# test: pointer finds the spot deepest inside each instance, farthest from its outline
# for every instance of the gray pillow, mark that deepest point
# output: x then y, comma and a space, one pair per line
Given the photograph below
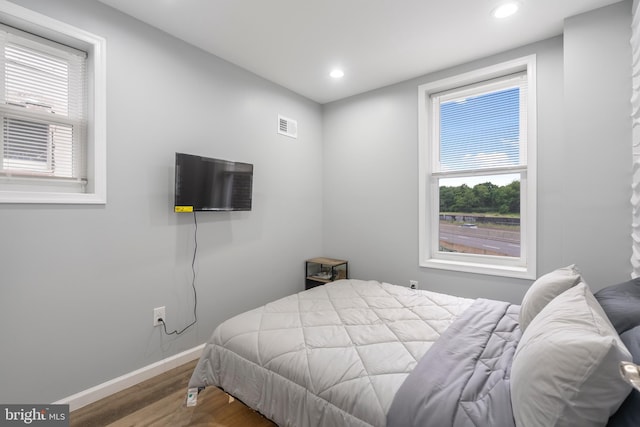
621, 302
565, 369
545, 289
629, 413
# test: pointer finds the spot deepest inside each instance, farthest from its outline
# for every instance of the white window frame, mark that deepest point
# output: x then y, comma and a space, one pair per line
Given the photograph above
429, 206
26, 190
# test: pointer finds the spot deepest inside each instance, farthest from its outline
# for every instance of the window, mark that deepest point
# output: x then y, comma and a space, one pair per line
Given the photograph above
52, 121
477, 171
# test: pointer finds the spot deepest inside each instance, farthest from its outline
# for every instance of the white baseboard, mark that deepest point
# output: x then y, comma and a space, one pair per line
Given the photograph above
115, 385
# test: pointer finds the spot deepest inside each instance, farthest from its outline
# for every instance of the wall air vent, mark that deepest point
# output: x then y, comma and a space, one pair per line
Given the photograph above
287, 127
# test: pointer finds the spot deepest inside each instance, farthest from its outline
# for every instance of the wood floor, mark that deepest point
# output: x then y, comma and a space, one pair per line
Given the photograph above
160, 402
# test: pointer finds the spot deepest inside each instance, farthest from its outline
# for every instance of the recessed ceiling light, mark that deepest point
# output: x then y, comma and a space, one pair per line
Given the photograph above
505, 10
337, 74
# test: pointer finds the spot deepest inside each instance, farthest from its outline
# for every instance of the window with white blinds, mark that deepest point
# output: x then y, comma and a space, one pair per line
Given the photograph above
52, 110
482, 127
43, 113
477, 171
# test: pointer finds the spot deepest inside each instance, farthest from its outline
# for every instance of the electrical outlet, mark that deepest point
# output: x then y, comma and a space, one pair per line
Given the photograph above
159, 313
413, 284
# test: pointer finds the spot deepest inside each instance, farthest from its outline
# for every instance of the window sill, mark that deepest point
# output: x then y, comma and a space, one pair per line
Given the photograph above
480, 268
52, 198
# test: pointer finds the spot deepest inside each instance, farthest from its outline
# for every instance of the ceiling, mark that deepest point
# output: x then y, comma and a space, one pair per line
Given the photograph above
296, 43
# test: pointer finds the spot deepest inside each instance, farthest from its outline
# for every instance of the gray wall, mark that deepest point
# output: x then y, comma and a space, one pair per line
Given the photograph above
597, 142
584, 160
79, 283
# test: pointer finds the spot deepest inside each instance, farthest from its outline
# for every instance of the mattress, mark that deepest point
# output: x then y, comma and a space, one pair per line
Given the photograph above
332, 355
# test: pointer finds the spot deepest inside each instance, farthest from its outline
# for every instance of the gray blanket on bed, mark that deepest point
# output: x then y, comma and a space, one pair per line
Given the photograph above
463, 380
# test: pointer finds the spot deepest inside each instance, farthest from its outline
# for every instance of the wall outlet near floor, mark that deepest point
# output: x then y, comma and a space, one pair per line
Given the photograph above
159, 313
413, 284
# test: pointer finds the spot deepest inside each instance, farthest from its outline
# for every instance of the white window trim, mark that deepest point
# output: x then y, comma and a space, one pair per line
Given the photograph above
524, 267
44, 26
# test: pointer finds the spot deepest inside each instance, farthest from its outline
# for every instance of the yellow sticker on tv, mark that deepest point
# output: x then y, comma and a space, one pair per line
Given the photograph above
184, 208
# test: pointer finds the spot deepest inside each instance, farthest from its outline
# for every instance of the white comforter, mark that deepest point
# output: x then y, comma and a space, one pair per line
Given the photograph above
334, 355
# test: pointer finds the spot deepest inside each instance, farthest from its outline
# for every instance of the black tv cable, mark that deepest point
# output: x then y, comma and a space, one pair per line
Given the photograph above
193, 283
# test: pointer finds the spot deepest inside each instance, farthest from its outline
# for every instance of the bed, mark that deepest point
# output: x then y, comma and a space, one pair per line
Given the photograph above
365, 353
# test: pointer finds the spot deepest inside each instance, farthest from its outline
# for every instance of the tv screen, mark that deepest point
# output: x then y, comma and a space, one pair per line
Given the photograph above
207, 184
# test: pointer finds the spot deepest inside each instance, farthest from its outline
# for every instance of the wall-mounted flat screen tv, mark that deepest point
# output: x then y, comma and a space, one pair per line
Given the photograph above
207, 184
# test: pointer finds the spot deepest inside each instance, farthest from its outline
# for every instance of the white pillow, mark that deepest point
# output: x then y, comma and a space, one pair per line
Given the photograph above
565, 368
544, 290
